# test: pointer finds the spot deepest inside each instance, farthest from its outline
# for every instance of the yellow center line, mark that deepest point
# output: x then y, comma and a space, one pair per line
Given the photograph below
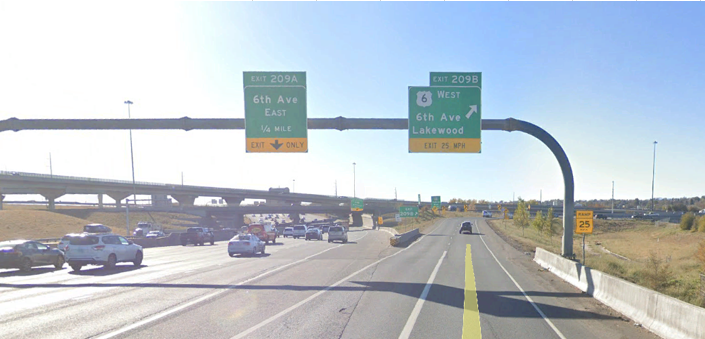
471, 313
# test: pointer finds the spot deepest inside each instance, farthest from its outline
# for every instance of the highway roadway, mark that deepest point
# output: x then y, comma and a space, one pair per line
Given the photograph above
433, 288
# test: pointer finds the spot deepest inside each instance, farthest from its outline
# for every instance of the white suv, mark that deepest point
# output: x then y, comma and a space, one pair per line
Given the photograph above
101, 249
299, 231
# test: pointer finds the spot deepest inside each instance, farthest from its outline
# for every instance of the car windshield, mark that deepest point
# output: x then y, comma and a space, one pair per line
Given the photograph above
193, 230
340, 229
244, 237
299, 228
85, 240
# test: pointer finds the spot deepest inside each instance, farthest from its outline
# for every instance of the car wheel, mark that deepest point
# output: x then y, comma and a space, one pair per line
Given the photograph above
59, 264
212, 242
262, 252
26, 265
138, 259
274, 241
112, 260
232, 254
329, 241
345, 241
76, 267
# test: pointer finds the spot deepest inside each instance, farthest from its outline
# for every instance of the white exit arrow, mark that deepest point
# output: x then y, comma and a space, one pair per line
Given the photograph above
473, 109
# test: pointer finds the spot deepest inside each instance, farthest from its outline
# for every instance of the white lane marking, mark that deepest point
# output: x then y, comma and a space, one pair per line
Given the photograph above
201, 299
524, 293
83, 297
300, 303
406, 332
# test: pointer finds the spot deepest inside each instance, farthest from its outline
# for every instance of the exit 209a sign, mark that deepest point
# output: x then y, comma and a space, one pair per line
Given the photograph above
275, 112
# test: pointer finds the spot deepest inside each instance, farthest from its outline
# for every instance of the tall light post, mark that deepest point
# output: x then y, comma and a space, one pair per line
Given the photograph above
354, 183
132, 158
653, 177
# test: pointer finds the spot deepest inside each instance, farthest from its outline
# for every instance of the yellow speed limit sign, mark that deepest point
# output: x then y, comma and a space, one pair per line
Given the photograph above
583, 222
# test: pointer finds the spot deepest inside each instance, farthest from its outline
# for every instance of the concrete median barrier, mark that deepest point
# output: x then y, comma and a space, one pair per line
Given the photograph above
666, 316
404, 238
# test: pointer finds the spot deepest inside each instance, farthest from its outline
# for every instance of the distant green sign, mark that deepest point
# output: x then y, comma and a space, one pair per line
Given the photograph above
408, 212
436, 202
357, 205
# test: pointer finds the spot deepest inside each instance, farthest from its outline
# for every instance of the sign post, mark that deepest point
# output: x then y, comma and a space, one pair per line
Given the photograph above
397, 217
583, 225
275, 112
357, 205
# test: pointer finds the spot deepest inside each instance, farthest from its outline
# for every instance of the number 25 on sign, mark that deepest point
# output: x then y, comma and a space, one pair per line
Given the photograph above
583, 222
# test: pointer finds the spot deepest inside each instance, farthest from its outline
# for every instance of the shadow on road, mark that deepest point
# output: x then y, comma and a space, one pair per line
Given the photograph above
251, 255
99, 271
34, 271
505, 304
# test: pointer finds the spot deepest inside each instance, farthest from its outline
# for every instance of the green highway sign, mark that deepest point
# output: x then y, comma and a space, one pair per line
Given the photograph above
408, 212
445, 119
436, 202
357, 205
459, 79
275, 112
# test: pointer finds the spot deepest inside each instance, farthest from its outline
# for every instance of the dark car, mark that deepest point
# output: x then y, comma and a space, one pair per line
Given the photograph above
600, 216
466, 226
314, 233
96, 228
324, 229
25, 254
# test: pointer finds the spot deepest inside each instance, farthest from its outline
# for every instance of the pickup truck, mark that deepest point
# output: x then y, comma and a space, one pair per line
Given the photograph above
196, 236
264, 231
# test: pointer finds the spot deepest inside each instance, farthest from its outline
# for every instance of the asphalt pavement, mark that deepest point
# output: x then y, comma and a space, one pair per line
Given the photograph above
443, 285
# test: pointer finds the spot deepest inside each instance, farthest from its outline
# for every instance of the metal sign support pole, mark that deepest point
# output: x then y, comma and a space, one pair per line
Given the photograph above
339, 123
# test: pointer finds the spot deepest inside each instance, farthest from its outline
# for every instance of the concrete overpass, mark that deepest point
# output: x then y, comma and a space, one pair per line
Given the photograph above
51, 187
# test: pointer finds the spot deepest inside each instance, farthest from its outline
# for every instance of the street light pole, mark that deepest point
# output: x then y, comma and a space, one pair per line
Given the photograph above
132, 158
354, 183
653, 177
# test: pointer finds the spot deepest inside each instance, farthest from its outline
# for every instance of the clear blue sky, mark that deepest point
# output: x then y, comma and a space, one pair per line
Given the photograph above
605, 79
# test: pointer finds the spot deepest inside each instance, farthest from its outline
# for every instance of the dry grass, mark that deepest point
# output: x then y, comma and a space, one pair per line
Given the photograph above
35, 222
660, 255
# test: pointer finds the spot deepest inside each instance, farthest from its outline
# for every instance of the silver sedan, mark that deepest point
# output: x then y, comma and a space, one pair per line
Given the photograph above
245, 244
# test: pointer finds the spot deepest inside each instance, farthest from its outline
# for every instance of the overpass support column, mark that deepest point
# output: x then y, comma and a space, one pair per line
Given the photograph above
295, 218
238, 220
118, 196
2, 197
233, 201
356, 219
50, 195
185, 200
100, 201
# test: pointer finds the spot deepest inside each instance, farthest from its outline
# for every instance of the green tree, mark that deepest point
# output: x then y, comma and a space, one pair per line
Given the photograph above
538, 222
521, 216
687, 221
701, 224
550, 226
